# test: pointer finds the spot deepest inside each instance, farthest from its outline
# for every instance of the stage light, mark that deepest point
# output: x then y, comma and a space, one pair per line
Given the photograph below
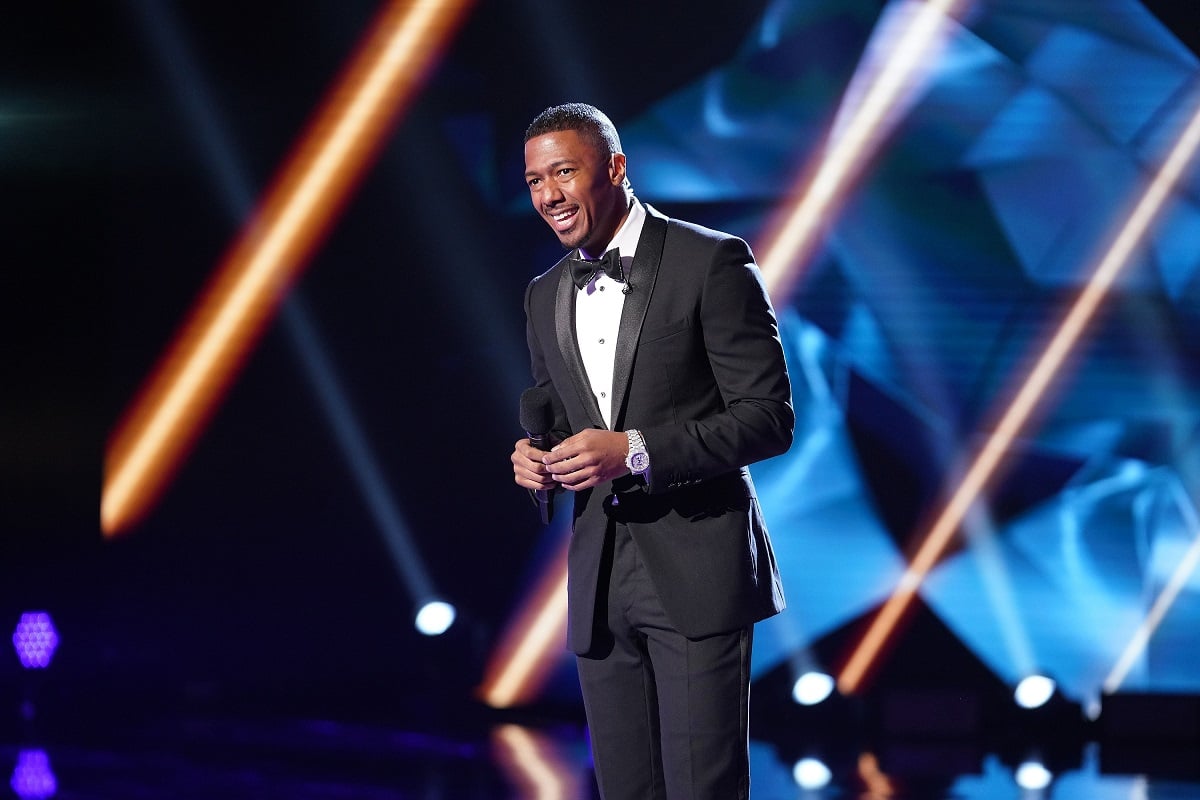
532, 644
32, 779
35, 640
233, 184
910, 45
1032, 776
875, 779
1141, 639
1034, 691
534, 764
811, 774
812, 688
1128, 238
299, 208
360, 457
435, 618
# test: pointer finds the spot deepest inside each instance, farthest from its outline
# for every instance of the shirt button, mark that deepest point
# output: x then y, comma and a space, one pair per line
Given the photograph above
604, 394
601, 341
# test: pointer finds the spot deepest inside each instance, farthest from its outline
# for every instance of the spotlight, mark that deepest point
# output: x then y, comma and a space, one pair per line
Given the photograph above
812, 688
1033, 776
35, 640
1034, 691
435, 618
33, 779
811, 774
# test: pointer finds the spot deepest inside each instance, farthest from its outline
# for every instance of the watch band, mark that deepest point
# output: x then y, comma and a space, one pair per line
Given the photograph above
638, 458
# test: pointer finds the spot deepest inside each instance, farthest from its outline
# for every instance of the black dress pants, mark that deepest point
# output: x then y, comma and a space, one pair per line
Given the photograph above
668, 715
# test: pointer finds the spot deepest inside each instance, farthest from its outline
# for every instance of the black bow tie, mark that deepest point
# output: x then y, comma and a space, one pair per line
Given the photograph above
583, 270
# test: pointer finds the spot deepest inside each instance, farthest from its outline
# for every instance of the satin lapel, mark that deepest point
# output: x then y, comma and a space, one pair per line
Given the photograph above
568, 345
643, 274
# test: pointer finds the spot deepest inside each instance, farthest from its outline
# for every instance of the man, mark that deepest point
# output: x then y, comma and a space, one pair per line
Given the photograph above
665, 378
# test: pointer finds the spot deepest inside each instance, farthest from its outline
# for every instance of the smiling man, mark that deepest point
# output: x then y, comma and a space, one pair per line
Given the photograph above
659, 351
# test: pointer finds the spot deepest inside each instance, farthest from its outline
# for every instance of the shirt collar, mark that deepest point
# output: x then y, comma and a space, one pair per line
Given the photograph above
626, 237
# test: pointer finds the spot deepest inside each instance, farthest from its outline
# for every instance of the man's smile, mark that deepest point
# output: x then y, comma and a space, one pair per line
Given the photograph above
564, 219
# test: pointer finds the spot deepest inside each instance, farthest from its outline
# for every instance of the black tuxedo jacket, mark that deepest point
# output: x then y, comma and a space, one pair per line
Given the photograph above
700, 372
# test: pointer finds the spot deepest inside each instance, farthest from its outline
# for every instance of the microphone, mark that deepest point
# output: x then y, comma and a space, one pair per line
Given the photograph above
537, 418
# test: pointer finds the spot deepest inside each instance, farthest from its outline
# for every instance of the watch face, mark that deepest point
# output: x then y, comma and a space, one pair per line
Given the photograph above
638, 462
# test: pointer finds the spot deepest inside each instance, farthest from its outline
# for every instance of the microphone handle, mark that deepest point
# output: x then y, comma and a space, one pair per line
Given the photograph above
545, 499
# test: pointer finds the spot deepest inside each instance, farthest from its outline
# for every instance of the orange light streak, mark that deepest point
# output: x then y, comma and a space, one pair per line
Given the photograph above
879, 785
794, 236
231, 314
1141, 637
534, 765
939, 536
533, 644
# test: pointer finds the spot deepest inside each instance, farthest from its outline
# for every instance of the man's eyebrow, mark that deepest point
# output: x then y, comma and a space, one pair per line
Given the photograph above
551, 166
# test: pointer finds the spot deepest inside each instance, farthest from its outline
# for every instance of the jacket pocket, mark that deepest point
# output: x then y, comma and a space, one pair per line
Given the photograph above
658, 332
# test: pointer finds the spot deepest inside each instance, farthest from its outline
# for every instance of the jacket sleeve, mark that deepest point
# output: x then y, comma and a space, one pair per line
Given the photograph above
753, 419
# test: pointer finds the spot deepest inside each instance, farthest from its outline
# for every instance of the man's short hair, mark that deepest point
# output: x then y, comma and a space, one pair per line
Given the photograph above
589, 121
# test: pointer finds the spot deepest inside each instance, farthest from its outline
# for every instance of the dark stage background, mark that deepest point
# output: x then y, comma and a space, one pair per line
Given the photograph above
136, 136
258, 579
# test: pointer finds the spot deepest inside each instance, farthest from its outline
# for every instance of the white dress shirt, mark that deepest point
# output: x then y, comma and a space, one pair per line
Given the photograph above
598, 313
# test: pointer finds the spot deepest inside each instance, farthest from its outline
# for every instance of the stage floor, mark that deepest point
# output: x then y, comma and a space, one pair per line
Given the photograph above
491, 758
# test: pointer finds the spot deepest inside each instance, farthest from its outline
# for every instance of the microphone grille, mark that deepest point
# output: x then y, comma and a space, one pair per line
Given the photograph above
537, 415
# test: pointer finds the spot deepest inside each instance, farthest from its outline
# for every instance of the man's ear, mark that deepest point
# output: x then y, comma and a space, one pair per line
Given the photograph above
616, 169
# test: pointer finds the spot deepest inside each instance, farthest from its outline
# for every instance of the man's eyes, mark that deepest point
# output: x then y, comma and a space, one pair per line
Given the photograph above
561, 172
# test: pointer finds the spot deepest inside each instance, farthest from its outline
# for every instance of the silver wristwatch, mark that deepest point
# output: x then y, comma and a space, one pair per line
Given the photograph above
638, 460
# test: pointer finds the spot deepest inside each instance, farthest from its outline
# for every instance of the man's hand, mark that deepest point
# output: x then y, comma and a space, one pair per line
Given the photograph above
588, 458
528, 469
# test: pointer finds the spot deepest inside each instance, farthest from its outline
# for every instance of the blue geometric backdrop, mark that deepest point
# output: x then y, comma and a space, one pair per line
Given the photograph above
953, 261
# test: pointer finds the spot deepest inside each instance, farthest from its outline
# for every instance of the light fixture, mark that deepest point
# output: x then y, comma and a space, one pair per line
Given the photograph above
812, 688
811, 774
35, 640
1033, 776
32, 779
1034, 691
435, 618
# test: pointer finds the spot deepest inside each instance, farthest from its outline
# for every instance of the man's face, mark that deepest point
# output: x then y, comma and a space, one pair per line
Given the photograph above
576, 190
